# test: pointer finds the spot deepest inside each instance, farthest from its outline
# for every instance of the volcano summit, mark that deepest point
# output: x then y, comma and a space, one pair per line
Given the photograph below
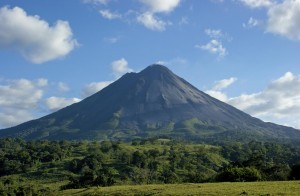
153, 102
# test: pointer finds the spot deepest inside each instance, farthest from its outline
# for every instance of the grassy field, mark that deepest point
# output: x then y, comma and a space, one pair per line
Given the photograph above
242, 188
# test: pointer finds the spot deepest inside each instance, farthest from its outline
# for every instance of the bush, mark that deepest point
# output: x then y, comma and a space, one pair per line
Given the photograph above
102, 177
236, 174
26, 190
295, 173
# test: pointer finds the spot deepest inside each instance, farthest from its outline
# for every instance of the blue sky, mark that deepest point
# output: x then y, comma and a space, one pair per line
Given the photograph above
243, 52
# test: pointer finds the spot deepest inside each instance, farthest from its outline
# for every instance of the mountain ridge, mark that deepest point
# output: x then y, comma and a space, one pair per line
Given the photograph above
152, 102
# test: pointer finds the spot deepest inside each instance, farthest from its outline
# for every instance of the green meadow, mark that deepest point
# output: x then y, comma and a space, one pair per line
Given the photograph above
225, 188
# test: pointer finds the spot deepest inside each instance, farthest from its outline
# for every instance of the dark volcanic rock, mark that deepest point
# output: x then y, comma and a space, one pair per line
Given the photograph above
150, 103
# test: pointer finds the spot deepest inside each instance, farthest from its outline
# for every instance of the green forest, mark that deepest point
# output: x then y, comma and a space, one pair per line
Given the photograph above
47, 167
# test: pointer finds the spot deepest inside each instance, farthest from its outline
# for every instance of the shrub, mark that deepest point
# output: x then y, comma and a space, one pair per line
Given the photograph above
236, 174
295, 173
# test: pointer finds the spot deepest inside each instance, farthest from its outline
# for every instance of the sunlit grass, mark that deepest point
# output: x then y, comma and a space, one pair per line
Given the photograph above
242, 188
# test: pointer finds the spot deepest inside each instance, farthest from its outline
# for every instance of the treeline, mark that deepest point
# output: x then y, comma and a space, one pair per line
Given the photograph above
18, 156
149, 161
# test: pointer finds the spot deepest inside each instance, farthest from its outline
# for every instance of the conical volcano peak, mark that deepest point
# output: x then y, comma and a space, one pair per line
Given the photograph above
150, 103
156, 69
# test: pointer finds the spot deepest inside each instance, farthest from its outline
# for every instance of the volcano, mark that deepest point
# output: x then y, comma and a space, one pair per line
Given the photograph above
154, 102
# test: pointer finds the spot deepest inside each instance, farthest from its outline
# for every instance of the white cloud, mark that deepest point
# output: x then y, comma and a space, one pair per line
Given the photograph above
120, 67
214, 47
245, 101
296, 124
252, 22
18, 99
34, 38
149, 18
109, 15
279, 102
56, 103
218, 95
152, 22
258, 3
222, 84
41, 82
161, 5
172, 62
281, 99
94, 87
20, 93
11, 118
214, 33
63, 87
284, 19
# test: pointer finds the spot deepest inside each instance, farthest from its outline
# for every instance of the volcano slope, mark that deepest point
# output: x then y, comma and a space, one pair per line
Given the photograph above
153, 102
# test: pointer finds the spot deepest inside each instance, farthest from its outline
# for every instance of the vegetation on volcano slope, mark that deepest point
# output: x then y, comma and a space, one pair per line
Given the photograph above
46, 167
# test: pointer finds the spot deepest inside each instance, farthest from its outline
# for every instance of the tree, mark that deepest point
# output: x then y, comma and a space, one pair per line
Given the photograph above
139, 175
236, 174
139, 159
106, 177
295, 173
174, 158
124, 156
168, 176
106, 146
